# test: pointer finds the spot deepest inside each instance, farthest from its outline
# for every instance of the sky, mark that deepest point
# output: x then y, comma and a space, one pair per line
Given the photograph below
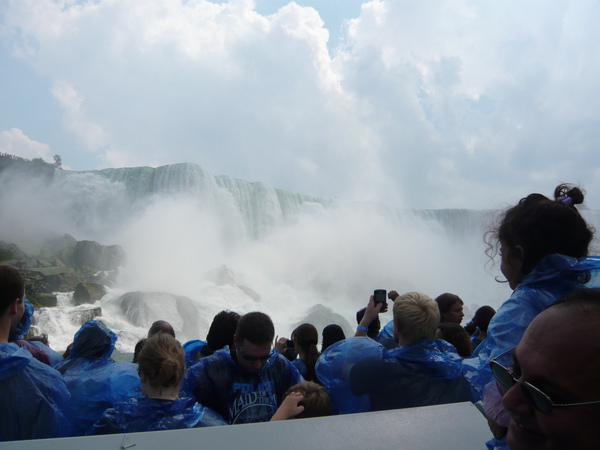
421, 104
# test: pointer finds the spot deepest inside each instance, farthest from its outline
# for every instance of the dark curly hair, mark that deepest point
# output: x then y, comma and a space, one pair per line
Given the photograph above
543, 227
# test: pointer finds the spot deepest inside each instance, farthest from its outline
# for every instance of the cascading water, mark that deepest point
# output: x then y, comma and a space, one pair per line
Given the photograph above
197, 244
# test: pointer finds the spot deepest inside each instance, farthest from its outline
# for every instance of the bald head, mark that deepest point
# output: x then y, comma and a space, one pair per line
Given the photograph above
161, 326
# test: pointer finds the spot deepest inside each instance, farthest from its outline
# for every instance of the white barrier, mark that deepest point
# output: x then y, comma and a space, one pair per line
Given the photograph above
455, 426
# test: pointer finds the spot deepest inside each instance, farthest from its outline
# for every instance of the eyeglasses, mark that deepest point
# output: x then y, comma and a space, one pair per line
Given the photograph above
540, 400
254, 358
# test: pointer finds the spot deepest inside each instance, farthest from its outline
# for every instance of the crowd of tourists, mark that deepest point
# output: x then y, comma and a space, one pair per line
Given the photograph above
532, 367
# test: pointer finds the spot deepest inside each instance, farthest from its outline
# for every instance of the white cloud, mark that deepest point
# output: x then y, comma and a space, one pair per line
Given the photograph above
15, 142
90, 134
427, 104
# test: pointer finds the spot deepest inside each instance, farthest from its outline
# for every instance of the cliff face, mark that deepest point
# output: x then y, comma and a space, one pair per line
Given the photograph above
63, 265
37, 168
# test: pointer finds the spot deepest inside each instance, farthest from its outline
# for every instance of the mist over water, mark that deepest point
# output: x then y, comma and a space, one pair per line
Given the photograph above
228, 244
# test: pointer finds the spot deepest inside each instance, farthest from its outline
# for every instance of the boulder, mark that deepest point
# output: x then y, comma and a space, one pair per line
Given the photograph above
189, 320
80, 316
88, 293
321, 316
90, 254
44, 300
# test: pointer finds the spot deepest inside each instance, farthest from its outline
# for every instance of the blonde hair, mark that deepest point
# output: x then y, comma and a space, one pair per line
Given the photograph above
162, 360
416, 316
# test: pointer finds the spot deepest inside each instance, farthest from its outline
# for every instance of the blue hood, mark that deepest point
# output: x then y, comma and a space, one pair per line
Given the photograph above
23, 326
93, 340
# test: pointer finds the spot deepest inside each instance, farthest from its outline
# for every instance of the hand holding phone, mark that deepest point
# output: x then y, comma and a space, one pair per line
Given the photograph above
380, 296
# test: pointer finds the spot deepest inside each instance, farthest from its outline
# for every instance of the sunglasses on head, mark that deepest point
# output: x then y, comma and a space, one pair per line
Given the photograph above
254, 358
536, 397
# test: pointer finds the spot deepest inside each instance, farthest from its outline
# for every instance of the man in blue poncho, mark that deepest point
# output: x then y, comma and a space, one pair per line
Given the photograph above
96, 382
246, 383
421, 371
34, 400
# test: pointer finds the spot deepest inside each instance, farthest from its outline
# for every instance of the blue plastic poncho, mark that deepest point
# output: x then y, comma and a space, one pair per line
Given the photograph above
333, 369
34, 400
386, 336
147, 414
221, 384
191, 349
96, 382
300, 366
428, 372
553, 277
22, 327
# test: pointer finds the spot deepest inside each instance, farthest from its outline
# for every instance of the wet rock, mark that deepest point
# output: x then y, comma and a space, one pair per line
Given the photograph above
91, 254
188, 319
80, 316
88, 293
44, 300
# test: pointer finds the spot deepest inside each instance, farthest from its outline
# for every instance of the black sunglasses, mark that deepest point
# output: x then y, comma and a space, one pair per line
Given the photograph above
254, 358
540, 400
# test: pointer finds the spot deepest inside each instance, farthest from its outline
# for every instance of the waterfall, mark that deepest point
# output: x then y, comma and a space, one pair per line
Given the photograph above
204, 243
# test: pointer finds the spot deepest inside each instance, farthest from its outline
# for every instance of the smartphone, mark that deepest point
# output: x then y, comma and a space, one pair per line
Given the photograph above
380, 296
290, 343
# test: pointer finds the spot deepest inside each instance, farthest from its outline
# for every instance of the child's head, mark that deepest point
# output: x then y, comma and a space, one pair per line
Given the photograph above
451, 308
537, 227
316, 400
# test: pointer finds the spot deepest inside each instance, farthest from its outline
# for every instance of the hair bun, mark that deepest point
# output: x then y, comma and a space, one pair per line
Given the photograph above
569, 194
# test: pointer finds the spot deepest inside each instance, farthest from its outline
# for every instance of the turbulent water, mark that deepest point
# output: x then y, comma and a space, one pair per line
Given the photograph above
224, 243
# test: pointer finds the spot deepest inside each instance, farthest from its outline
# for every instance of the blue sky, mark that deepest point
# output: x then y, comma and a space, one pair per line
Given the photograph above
436, 104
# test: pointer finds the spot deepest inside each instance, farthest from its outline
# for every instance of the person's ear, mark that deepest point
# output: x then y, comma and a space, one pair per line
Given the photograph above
517, 256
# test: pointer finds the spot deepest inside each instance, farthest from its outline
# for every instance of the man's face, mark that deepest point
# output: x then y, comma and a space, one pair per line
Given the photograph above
250, 356
558, 355
455, 314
